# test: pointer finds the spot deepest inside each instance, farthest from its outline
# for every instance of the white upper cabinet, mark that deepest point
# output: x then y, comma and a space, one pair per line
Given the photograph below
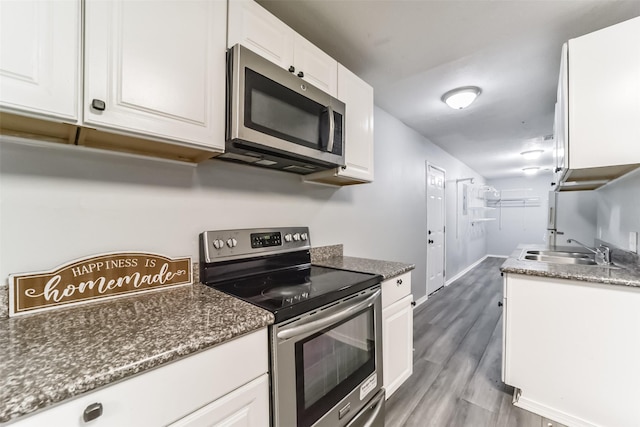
599, 103
358, 98
157, 68
254, 27
40, 58
315, 66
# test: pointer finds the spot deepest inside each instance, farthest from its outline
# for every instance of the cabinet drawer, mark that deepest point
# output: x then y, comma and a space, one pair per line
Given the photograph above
168, 393
395, 289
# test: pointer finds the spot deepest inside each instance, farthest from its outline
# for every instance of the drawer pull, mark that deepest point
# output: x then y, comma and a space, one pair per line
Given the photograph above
399, 282
92, 412
98, 104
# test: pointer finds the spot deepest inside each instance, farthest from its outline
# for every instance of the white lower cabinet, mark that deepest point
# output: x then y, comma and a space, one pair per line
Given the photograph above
572, 348
248, 406
225, 385
397, 332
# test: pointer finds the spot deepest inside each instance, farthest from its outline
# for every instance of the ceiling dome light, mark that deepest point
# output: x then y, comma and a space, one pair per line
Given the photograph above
532, 154
461, 97
531, 170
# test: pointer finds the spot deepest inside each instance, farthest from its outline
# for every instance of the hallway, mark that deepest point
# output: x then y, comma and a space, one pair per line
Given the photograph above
458, 360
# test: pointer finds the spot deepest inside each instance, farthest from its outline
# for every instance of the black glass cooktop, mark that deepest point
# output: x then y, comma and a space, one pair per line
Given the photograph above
294, 291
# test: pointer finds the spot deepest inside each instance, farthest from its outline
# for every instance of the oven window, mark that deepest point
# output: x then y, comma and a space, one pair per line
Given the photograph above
332, 363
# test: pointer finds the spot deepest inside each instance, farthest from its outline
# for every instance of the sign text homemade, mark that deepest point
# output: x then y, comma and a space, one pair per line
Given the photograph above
96, 277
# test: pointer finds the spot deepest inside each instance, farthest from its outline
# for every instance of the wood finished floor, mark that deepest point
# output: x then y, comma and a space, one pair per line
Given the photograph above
457, 343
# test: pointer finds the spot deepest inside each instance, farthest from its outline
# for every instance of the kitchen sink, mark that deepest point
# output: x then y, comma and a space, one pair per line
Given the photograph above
560, 254
562, 257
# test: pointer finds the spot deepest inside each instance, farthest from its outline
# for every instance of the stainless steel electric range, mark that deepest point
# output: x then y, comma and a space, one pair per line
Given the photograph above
325, 345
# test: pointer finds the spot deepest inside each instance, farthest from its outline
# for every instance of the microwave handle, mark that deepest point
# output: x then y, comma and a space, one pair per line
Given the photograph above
323, 322
332, 129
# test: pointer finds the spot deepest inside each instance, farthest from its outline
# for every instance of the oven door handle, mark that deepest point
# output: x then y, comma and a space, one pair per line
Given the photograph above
314, 325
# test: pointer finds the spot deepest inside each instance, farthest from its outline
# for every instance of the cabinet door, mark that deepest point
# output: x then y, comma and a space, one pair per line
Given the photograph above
358, 97
159, 68
247, 406
604, 97
255, 28
316, 67
40, 57
397, 344
561, 130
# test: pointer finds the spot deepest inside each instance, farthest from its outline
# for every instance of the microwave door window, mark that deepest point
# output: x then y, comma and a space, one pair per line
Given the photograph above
281, 112
280, 118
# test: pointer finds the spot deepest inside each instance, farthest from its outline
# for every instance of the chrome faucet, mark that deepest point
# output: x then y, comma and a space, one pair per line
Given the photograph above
602, 252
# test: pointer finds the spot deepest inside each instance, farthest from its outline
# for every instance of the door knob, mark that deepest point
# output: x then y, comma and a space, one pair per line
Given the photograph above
429, 232
430, 241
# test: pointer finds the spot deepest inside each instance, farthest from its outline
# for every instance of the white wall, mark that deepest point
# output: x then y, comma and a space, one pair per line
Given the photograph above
619, 210
516, 225
60, 204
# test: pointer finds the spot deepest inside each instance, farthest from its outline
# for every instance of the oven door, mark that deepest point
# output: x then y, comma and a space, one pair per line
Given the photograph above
271, 110
326, 366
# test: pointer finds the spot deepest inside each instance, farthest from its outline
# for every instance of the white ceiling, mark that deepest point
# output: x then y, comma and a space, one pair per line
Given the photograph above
413, 51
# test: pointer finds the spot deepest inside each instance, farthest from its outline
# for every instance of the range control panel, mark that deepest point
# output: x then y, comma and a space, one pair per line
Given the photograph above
222, 245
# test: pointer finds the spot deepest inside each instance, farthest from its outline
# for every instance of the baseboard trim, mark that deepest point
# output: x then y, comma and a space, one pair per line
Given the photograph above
465, 271
551, 413
421, 301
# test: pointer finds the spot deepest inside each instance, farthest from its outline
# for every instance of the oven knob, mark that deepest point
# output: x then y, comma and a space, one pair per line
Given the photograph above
296, 237
232, 242
304, 236
287, 237
218, 244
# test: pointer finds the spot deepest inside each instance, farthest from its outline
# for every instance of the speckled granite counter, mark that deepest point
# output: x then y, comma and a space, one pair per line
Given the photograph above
386, 269
48, 357
627, 275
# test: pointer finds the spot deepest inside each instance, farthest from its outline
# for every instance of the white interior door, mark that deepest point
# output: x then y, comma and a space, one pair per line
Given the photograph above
435, 228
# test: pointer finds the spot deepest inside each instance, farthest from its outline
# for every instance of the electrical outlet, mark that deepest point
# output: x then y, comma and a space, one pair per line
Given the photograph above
633, 241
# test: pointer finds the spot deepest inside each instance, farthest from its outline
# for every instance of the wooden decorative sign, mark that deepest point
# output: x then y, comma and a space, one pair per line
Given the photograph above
97, 277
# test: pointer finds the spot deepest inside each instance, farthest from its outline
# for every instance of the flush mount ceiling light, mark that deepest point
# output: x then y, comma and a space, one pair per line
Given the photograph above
461, 97
532, 154
531, 170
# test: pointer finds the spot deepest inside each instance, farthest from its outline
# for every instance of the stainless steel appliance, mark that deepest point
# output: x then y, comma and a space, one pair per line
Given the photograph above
277, 120
325, 345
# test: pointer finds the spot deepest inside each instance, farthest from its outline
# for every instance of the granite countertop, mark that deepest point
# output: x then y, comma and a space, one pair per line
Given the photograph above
387, 269
48, 357
628, 273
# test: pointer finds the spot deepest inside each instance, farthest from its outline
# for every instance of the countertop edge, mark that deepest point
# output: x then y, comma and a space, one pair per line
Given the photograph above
387, 269
628, 276
29, 403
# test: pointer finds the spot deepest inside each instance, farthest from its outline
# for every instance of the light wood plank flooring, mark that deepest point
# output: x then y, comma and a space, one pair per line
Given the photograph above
458, 360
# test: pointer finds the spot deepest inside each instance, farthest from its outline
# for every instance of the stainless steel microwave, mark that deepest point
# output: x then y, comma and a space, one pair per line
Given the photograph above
279, 121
